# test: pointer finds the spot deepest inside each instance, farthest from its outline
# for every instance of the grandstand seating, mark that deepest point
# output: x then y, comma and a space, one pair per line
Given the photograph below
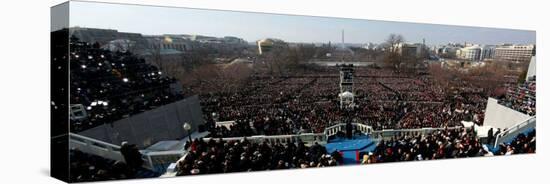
522, 97
520, 128
113, 85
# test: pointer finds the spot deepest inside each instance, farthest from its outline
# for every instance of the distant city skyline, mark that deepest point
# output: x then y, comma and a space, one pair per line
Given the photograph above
154, 20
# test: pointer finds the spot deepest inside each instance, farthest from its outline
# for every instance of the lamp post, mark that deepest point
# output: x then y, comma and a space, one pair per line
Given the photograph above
187, 127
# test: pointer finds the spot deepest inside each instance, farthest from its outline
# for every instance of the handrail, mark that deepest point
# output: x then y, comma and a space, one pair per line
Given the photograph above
499, 137
332, 130
94, 140
381, 134
111, 151
285, 138
418, 129
152, 162
95, 147
171, 152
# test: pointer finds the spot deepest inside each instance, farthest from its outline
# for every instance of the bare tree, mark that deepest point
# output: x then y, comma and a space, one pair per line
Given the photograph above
233, 76
273, 60
394, 40
197, 57
392, 44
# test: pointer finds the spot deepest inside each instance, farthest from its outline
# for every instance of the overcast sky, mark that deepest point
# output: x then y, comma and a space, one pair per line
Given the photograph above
151, 20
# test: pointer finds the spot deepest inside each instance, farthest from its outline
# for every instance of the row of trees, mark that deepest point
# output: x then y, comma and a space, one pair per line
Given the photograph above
284, 60
197, 66
491, 78
281, 60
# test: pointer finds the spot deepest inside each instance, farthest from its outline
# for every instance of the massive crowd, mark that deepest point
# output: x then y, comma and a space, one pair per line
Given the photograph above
113, 85
309, 103
218, 156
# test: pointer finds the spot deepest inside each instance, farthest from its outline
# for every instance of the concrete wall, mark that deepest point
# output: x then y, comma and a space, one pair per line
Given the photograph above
500, 116
147, 128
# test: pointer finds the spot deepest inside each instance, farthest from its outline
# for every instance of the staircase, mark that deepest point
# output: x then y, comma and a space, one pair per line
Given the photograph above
520, 128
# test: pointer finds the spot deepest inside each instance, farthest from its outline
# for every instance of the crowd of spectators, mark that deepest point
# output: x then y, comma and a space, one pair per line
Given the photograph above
522, 97
523, 143
306, 102
113, 85
219, 156
448, 143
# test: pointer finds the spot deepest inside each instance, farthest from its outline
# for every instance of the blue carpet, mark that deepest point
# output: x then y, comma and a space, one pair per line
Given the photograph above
349, 148
349, 157
342, 144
